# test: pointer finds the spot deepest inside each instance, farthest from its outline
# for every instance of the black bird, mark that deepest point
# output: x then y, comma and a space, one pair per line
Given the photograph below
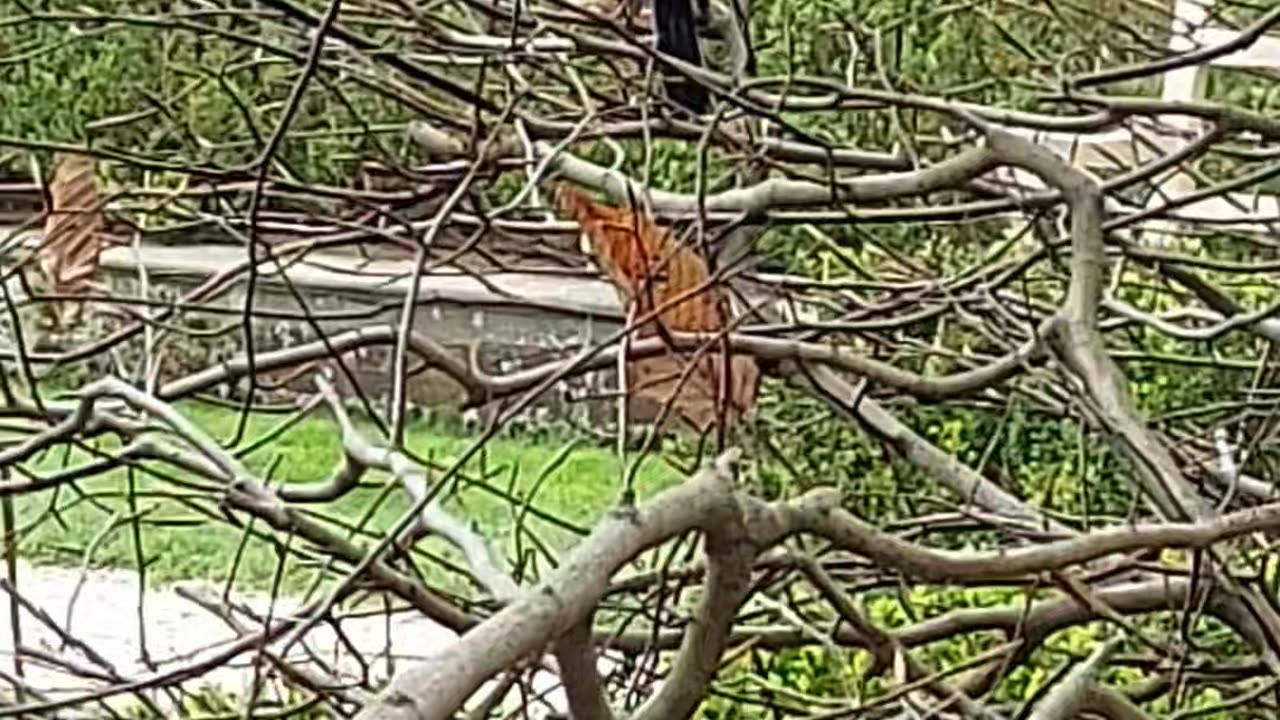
677, 35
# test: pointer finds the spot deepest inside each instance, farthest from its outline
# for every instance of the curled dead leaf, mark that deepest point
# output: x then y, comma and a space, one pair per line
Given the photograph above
73, 236
668, 282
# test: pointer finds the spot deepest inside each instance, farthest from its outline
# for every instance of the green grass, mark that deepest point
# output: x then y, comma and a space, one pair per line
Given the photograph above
185, 536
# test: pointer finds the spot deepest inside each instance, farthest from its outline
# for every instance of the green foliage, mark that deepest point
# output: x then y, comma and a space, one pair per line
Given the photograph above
140, 87
90, 523
1036, 457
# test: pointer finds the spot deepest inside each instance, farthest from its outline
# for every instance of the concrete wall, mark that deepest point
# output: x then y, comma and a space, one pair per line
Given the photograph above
510, 319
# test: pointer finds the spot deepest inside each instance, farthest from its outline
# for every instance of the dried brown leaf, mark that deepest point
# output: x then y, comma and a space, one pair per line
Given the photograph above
657, 275
74, 235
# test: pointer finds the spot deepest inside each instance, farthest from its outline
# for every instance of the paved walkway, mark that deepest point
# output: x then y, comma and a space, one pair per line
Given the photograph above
178, 633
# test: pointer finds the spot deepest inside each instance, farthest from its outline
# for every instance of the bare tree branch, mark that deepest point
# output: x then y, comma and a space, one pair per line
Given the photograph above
1071, 696
438, 686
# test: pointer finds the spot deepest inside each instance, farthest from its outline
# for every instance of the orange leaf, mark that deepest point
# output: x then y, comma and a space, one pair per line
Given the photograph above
73, 234
655, 272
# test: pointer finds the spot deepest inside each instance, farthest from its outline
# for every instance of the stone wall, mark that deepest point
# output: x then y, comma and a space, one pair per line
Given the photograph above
515, 321
507, 320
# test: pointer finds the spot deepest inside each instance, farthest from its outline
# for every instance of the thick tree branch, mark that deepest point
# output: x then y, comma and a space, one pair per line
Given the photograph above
576, 657
1113, 705
1071, 696
480, 387
966, 483
815, 514
437, 687
769, 195
480, 556
1078, 340
731, 555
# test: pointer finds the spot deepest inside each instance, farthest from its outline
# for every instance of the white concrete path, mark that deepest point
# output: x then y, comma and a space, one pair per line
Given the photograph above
180, 632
